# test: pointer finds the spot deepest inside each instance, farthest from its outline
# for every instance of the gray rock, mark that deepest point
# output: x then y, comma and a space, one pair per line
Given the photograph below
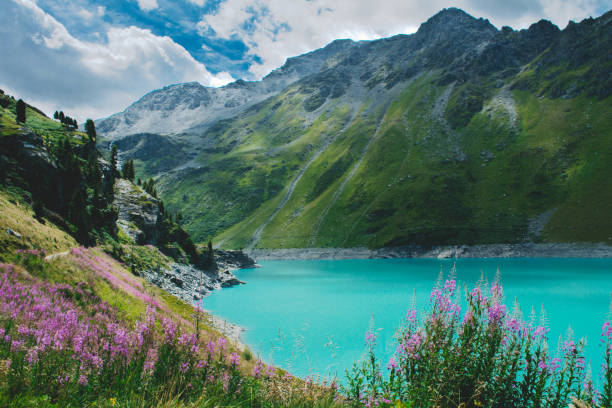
178, 282
191, 283
13, 233
138, 212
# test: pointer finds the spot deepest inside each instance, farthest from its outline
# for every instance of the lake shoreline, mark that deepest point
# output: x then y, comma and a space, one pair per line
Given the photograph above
525, 250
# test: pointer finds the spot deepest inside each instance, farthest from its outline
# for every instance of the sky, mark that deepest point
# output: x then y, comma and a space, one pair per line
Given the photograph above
93, 58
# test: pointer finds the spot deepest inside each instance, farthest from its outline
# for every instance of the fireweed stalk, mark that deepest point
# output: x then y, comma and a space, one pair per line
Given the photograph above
483, 357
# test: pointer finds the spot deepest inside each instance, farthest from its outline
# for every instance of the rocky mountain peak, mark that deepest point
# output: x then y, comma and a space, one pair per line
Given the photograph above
312, 62
543, 29
454, 21
190, 94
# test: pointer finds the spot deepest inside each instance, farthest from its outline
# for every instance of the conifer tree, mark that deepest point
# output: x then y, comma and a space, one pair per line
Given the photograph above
62, 117
127, 171
114, 161
21, 111
90, 129
39, 209
162, 210
56, 115
132, 170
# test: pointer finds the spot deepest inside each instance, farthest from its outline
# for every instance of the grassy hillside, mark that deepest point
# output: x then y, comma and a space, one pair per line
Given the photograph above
420, 180
51, 131
111, 355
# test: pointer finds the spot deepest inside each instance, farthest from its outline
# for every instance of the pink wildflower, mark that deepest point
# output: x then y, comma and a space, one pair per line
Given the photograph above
496, 313
370, 338
234, 359
83, 380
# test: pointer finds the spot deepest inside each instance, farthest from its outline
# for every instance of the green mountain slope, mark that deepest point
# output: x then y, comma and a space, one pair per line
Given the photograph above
458, 134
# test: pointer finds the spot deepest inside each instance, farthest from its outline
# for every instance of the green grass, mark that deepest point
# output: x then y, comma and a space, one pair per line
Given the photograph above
50, 130
412, 187
16, 215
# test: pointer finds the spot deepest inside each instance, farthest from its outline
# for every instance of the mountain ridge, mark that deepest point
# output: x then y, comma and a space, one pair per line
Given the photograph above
271, 84
365, 148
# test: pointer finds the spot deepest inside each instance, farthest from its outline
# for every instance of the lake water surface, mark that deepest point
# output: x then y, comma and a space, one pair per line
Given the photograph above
310, 317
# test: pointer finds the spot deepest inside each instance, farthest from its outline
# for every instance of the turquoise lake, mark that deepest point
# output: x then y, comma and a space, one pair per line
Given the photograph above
310, 317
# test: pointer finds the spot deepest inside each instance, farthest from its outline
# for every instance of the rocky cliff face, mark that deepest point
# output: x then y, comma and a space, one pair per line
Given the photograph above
138, 212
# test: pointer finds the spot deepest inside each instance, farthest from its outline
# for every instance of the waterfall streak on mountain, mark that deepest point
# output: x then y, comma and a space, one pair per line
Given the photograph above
328, 141
356, 166
394, 180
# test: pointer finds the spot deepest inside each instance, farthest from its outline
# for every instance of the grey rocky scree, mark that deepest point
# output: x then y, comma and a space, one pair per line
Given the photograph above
191, 283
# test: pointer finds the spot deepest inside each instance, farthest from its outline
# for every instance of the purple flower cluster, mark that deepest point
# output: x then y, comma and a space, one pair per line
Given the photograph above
32, 252
370, 338
44, 331
116, 276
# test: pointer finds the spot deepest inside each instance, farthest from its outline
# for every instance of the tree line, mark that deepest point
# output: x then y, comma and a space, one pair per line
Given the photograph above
66, 120
79, 195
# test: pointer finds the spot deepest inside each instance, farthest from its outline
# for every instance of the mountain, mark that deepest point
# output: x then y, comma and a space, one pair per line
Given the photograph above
457, 134
191, 107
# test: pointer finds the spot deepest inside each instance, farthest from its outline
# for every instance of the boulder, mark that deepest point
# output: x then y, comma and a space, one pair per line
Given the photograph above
138, 212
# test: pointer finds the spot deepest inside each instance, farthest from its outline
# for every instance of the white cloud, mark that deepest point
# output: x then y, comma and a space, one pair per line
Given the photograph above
51, 68
85, 14
277, 29
147, 5
563, 11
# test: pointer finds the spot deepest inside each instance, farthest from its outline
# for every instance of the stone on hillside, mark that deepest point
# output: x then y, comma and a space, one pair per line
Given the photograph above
138, 212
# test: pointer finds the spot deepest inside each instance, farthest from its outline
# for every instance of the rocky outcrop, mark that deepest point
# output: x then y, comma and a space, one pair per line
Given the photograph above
138, 212
25, 161
191, 283
230, 260
187, 282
